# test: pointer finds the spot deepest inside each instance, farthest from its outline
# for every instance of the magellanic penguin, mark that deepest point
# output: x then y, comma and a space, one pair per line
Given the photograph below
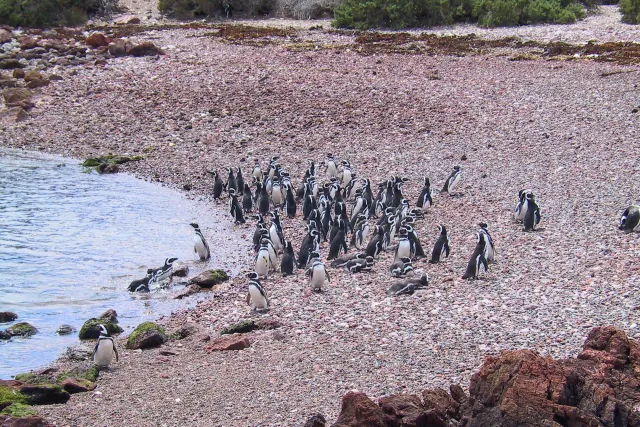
359, 265
257, 172
477, 259
263, 200
262, 259
532, 217
141, 285
276, 193
424, 200
105, 349
247, 199
343, 260
310, 243
489, 250
403, 250
521, 208
275, 232
453, 180
441, 247
401, 267
374, 248
346, 173
408, 287
235, 208
164, 272
338, 242
218, 185
332, 168
231, 181
630, 219
290, 202
416, 246
239, 182
257, 296
360, 233
199, 244
317, 275
288, 265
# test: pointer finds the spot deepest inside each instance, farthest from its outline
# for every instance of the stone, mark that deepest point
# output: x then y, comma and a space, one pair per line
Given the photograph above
187, 291
229, 342
29, 421
359, 411
106, 168
27, 42
77, 354
402, 410
34, 84
44, 394
65, 330
110, 315
18, 73
441, 403
78, 385
240, 328
96, 40
7, 316
10, 63
100, 62
119, 47
209, 278
188, 330
22, 329
91, 328
145, 49
6, 81
55, 77
146, 335
180, 270
5, 36
32, 75
128, 20
18, 97
316, 420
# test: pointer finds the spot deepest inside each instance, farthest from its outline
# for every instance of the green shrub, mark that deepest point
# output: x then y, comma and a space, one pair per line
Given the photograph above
630, 10
46, 13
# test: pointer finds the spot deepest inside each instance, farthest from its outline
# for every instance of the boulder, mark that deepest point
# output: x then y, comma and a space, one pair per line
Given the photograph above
316, 420
110, 315
229, 342
145, 49
38, 83
241, 327
28, 421
179, 270
27, 42
7, 316
77, 385
209, 278
10, 64
5, 36
146, 335
187, 330
359, 411
7, 81
187, 291
96, 40
32, 75
91, 328
22, 329
21, 114
18, 97
107, 168
441, 403
128, 20
44, 394
65, 330
402, 410
119, 47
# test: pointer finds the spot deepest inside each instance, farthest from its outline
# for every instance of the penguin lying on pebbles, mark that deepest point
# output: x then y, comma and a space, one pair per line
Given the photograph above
105, 349
401, 267
408, 287
343, 260
257, 296
532, 216
477, 259
317, 275
630, 219
200, 244
489, 250
452, 182
359, 265
441, 247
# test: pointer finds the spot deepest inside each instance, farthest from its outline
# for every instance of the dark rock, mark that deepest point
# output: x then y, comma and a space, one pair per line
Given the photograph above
29, 421
402, 410
5, 36
180, 270
188, 330
44, 394
359, 411
4, 336
110, 315
96, 40
229, 342
209, 278
22, 329
145, 49
77, 354
107, 168
100, 62
27, 42
78, 385
7, 316
440, 402
18, 97
240, 328
119, 47
187, 291
6, 81
91, 328
316, 420
34, 84
458, 394
32, 75
65, 330
10, 64
55, 77
146, 335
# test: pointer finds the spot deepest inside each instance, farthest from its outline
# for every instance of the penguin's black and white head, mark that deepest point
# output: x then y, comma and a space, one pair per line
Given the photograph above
456, 168
405, 260
195, 225
403, 231
483, 225
264, 242
232, 192
369, 260
253, 275
314, 255
443, 229
103, 331
424, 279
288, 247
238, 171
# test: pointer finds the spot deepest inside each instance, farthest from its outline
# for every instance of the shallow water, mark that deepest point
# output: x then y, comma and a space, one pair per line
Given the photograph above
70, 243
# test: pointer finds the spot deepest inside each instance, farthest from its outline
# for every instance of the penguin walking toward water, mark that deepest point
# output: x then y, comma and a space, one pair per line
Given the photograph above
630, 219
200, 245
262, 259
452, 182
477, 259
424, 200
489, 250
218, 185
403, 250
257, 296
164, 272
104, 350
441, 247
532, 216
288, 265
338, 242
317, 275
235, 209
521, 208
408, 287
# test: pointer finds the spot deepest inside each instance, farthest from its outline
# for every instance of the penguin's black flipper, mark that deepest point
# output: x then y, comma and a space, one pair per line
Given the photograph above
446, 249
482, 261
115, 350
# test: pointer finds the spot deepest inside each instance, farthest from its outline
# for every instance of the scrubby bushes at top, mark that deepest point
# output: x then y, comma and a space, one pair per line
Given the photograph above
46, 13
364, 14
630, 10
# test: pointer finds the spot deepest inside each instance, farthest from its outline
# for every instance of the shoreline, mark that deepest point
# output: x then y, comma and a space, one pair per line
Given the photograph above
516, 123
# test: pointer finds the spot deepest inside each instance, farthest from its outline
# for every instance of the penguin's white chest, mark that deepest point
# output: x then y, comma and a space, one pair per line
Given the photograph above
262, 263
202, 250
276, 195
104, 353
317, 277
455, 180
346, 177
404, 249
275, 239
257, 299
332, 170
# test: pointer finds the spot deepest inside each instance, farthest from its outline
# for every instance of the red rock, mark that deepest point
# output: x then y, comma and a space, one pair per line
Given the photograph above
32, 75
229, 342
5, 36
18, 73
145, 49
31, 421
402, 410
359, 411
439, 401
96, 40
187, 291
27, 42
18, 97
76, 385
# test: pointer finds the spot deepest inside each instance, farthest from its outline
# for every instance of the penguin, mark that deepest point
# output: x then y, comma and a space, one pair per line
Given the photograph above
257, 296
317, 275
424, 200
105, 349
200, 244
218, 185
630, 219
263, 201
310, 243
275, 232
247, 200
416, 246
231, 181
521, 208
532, 217
302, 185
141, 285
313, 256
348, 188
408, 287
404, 246
290, 203
338, 242
375, 244
441, 247
257, 235
262, 259
273, 166
397, 194
332, 168
401, 267
360, 233
239, 182
359, 265
236, 210
164, 272
346, 173
257, 172
308, 203
288, 265
325, 222
276, 193
359, 204
477, 259
453, 180
273, 255
489, 250
343, 260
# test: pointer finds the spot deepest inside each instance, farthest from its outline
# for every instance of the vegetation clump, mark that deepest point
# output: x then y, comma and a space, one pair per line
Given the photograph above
18, 410
146, 335
91, 328
630, 10
47, 13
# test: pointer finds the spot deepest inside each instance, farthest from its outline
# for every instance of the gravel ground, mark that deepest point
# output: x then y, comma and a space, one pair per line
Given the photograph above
565, 129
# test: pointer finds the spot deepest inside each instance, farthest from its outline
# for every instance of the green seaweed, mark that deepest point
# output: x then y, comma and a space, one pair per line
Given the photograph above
240, 327
9, 396
22, 329
18, 410
90, 329
218, 276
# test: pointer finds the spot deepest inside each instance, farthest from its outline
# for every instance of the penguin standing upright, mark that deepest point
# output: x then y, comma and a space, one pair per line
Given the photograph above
247, 200
310, 243
452, 182
262, 259
441, 247
218, 185
317, 275
288, 265
276, 193
630, 219
332, 168
416, 246
231, 181
521, 208
239, 181
424, 200
275, 232
104, 350
235, 209
532, 217
477, 259
338, 242
290, 203
200, 245
374, 248
403, 250
257, 171
489, 251
257, 296
263, 201
346, 173
360, 233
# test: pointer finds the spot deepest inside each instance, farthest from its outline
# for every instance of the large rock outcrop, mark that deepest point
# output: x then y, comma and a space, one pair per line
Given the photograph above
601, 387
